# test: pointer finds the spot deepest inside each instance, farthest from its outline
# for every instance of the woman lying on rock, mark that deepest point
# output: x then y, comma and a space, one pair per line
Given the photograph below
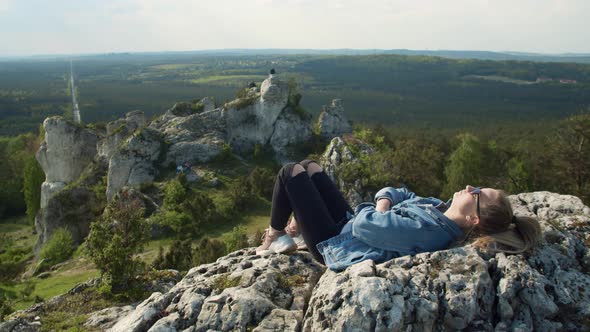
399, 223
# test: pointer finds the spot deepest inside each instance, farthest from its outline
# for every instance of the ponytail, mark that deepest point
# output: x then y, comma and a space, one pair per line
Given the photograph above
505, 231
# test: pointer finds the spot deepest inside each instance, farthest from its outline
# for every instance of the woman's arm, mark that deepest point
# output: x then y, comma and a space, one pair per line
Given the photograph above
383, 205
394, 195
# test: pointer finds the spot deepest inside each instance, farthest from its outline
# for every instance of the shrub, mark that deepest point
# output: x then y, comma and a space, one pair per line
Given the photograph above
5, 306
261, 181
236, 240
13, 259
115, 240
175, 193
33, 178
178, 257
59, 247
208, 251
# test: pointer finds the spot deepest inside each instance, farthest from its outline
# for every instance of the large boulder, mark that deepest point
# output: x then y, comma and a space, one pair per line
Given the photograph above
251, 119
462, 288
238, 292
465, 288
193, 138
291, 128
135, 161
338, 156
64, 153
332, 121
117, 131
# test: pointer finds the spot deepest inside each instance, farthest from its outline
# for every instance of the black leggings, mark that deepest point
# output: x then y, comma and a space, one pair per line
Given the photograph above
317, 204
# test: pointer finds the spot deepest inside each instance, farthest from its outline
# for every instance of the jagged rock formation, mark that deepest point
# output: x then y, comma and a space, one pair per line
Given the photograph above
65, 153
462, 288
459, 288
239, 291
332, 121
136, 151
66, 150
337, 155
265, 117
134, 161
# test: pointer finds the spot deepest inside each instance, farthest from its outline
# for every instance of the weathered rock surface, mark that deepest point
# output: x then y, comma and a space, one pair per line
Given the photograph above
462, 288
332, 121
135, 161
66, 150
239, 291
64, 153
337, 155
194, 138
118, 130
251, 120
290, 129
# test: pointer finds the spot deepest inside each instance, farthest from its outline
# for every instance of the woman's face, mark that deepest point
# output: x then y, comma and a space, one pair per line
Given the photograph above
465, 201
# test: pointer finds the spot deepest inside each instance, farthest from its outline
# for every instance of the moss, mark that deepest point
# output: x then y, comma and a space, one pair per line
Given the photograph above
197, 107
224, 281
64, 321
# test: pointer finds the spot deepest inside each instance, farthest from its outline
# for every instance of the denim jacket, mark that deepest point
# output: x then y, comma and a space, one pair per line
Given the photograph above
413, 225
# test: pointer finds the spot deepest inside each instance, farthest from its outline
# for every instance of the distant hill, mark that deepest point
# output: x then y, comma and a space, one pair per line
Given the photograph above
451, 54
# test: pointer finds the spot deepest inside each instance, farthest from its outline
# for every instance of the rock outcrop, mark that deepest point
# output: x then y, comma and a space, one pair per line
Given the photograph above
64, 153
135, 161
338, 155
463, 288
332, 121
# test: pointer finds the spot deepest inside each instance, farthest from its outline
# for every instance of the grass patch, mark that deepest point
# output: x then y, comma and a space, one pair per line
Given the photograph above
64, 321
224, 281
232, 80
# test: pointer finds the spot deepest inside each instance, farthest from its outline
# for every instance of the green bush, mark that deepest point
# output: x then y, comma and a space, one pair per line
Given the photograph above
207, 251
5, 306
59, 247
13, 259
236, 240
116, 239
261, 181
32, 180
178, 257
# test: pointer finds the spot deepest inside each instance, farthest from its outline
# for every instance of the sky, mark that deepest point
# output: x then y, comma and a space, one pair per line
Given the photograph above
29, 27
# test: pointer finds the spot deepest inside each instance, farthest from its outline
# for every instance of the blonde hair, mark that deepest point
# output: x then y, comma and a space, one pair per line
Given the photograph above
508, 233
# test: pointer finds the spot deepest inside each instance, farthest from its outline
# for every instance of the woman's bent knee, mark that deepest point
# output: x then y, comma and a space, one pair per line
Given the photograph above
313, 168
297, 169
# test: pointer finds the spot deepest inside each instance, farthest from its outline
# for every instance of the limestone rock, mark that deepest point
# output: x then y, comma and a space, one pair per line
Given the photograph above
64, 153
337, 155
332, 121
135, 161
251, 120
194, 138
66, 150
238, 291
117, 131
291, 128
75, 209
208, 104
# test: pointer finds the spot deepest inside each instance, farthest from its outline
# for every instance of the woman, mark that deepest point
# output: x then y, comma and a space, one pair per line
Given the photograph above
399, 223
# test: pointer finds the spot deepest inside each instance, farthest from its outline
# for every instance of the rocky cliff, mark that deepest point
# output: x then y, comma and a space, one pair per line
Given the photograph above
132, 151
457, 289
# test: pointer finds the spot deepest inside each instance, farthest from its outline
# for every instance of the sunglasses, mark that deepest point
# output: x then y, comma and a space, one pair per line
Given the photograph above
476, 191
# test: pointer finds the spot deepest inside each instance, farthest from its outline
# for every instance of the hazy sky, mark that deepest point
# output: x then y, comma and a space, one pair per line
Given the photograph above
97, 26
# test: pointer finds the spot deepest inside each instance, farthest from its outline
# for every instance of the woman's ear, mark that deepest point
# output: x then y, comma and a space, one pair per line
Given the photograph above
474, 220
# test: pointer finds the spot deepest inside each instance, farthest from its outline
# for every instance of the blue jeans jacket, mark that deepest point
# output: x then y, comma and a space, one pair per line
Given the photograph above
413, 225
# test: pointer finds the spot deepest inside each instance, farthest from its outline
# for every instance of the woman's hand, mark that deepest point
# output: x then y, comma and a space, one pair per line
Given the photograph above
383, 205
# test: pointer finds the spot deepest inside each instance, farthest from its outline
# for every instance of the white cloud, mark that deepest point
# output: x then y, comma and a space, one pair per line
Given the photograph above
139, 25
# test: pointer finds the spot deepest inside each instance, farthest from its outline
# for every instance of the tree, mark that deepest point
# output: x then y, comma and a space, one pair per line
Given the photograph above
115, 240
465, 165
572, 150
33, 179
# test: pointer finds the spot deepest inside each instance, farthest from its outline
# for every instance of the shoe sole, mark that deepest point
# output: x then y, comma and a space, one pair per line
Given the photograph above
284, 250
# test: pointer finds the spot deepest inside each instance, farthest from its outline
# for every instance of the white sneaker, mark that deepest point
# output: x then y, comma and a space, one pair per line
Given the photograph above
293, 230
274, 241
